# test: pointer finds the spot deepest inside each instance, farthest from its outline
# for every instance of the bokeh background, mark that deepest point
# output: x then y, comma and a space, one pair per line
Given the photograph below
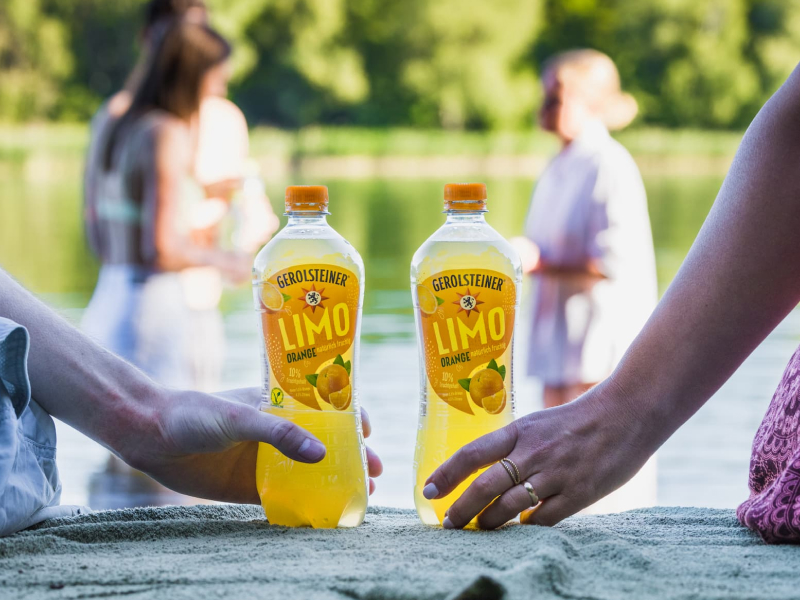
385, 101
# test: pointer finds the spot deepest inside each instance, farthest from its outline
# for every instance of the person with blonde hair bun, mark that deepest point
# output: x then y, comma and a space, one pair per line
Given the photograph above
587, 240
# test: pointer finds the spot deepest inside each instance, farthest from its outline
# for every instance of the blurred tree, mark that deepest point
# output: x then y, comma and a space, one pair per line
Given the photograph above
774, 41
703, 63
467, 61
35, 62
306, 69
379, 31
103, 41
704, 78
421, 62
452, 63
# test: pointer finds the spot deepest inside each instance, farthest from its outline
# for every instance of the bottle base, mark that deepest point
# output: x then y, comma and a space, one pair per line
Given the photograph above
348, 520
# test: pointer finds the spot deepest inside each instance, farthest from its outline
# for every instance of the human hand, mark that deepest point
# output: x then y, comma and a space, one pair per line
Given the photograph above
206, 445
258, 224
572, 455
236, 267
224, 188
529, 253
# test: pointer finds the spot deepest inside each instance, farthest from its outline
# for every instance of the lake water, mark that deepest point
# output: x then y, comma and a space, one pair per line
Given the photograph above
704, 464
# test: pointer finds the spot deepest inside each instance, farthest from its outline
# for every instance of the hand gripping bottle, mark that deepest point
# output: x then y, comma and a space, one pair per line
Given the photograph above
308, 284
465, 282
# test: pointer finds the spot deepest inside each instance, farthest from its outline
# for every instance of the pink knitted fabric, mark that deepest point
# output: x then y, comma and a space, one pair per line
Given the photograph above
773, 509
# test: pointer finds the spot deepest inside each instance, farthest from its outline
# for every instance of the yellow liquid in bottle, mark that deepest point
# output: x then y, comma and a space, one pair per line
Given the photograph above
440, 435
330, 493
450, 263
312, 340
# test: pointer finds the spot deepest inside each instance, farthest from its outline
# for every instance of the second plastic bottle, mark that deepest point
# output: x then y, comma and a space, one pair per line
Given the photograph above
309, 289
465, 281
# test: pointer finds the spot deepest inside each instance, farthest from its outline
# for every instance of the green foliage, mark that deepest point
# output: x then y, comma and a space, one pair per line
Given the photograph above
103, 42
306, 70
708, 63
459, 64
464, 62
428, 63
35, 61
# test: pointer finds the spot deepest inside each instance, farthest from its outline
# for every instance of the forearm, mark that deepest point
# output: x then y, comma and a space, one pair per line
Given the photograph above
739, 280
590, 268
73, 378
184, 254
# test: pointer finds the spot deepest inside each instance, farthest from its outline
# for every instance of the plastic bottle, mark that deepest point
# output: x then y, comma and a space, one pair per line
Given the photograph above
465, 283
308, 286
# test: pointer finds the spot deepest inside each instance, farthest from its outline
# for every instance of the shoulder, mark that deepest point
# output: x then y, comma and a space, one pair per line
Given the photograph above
614, 158
221, 110
617, 173
167, 131
161, 138
221, 124
118, 103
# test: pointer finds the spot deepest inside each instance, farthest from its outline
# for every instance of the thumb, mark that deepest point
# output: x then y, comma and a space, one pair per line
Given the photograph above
249, 424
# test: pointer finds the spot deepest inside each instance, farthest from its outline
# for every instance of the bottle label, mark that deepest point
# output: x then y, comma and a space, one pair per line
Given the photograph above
308, 319
467, 318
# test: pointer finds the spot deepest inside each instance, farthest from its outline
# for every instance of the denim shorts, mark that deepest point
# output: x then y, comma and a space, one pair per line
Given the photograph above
30, 489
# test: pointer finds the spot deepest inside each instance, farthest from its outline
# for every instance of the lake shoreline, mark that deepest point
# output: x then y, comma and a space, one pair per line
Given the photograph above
56, 150
43, 167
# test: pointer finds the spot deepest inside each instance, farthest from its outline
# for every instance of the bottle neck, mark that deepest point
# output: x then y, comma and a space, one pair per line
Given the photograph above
465, 217
307, 219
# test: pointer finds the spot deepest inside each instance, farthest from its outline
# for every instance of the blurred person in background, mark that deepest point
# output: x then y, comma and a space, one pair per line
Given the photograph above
143, 191
236, 212
220, 163
740, 279
157, 15
588, 243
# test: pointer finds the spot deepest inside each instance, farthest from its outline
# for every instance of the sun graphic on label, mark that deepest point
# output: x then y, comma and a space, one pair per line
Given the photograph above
467, 302
313, 298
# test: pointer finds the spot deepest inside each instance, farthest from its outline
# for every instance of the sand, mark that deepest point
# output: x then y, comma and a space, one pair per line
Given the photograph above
231, 552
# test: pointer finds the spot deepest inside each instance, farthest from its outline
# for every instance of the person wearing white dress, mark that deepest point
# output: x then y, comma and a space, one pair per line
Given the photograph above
588, 245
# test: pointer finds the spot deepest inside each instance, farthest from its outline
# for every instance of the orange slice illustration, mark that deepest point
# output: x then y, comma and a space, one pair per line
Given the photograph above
271, 297
333, 378
341, 400
485, 383
428, 303
495, 403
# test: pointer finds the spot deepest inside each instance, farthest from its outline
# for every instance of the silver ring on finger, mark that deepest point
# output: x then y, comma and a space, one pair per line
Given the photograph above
532, 493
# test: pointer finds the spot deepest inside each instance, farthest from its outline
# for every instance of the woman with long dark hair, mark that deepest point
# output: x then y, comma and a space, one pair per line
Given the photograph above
141, 189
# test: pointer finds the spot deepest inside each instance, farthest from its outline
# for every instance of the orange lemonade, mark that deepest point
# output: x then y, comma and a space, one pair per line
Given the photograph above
465, 282
309, 289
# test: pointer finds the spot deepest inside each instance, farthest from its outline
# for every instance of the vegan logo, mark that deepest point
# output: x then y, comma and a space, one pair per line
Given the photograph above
276, 398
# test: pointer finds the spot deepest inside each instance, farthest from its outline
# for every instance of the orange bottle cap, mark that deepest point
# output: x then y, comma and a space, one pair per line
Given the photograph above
465, 196
306, 198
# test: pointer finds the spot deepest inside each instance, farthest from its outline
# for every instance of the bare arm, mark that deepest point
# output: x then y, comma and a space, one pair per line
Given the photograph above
590, 268
741, 277
533, 263
175, 251
195, 443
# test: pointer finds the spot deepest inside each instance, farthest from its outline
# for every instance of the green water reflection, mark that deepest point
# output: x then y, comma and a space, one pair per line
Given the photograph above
41, 239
